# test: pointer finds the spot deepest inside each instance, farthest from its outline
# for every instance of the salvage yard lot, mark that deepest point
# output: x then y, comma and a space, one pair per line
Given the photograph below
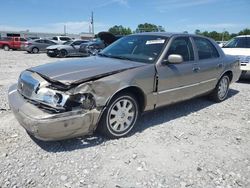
196, 143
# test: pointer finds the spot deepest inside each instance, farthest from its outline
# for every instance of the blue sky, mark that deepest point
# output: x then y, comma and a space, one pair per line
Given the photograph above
173, 15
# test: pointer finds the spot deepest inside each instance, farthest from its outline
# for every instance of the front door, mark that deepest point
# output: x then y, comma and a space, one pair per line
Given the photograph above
177, 82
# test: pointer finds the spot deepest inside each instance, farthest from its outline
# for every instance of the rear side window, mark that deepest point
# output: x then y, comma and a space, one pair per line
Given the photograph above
54, 38
49, 42
39, 41
182, 46
206, 50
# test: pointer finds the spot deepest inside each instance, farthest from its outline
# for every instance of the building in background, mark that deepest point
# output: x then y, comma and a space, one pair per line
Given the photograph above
27, 34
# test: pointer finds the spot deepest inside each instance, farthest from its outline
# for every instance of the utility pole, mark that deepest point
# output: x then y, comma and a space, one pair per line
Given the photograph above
223, 32
64, 28
92, 22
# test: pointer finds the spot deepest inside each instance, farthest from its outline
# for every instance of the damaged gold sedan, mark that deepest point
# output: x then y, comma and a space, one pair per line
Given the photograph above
109, 91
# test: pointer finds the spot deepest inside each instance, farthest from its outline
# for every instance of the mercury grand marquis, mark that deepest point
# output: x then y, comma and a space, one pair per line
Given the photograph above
109, 91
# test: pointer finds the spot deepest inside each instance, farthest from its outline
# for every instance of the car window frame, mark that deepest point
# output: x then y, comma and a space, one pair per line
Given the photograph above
196, 48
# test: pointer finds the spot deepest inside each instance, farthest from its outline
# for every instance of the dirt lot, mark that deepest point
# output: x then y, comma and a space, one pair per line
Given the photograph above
192, 144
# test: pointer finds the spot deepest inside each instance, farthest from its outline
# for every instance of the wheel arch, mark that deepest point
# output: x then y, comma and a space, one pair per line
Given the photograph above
229, 73
134, 90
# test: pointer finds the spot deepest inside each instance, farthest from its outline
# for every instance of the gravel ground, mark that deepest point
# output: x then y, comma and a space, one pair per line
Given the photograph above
196, 143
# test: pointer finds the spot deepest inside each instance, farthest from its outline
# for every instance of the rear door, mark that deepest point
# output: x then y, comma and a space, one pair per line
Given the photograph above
177, 82
209, 62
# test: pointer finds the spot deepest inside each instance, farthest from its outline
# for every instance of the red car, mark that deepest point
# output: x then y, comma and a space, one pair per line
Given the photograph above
14, 43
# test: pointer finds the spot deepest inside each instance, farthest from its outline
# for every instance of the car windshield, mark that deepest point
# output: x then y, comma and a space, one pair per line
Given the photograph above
238, 42
141, 48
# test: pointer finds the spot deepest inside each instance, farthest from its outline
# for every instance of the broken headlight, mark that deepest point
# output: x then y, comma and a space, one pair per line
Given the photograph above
51, 97
85, 101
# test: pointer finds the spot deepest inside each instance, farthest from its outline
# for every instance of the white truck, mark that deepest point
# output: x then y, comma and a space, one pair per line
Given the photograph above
61, 39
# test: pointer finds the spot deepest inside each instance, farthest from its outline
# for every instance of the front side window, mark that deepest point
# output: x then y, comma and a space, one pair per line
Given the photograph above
238, 42
206, 50
54, 38
141, 48
182, 46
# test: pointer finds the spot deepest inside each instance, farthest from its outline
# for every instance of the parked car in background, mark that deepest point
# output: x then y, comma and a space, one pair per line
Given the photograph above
96, 45
240, 46
38, 45
14, 43
221, 43
109, 91
69, 48
61, 39
33, 38
92, 47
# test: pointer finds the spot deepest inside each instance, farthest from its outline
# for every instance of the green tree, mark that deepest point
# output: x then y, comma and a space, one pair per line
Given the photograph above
148, 27
120, 30
197, 32
245, 31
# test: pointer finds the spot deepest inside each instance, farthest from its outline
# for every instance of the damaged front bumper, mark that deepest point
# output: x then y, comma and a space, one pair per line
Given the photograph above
51, 126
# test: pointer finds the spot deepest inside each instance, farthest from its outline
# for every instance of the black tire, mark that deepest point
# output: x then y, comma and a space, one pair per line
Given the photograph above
6, 48
63, 53
51, 55
221, 90
116, 126
35, 50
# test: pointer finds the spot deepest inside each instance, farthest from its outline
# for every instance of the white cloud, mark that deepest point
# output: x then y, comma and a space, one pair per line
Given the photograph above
71, 27
108, 2
164, 5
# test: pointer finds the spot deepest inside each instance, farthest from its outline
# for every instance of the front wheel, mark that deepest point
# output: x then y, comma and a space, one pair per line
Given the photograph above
221, 90
63, 53
120, 116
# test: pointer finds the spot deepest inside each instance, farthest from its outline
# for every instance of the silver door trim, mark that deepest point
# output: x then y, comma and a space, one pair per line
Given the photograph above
187, 86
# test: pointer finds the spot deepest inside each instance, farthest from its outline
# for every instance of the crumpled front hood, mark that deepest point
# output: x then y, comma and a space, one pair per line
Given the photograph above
84, 69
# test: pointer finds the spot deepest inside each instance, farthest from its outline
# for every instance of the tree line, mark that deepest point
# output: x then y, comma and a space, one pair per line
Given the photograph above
222, 36
148, 27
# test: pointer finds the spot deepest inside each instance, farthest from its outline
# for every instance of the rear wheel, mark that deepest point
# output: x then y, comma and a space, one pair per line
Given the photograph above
120, 116
63, 53
6, 47
221, 90
35, 50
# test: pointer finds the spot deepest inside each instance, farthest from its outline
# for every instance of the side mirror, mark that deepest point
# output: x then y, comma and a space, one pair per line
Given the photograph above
175, 59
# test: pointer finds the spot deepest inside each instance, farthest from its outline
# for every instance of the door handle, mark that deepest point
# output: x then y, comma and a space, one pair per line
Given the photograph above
196, 69
220, 65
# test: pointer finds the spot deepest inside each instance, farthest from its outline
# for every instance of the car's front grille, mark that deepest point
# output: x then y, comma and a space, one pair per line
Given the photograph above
27, 84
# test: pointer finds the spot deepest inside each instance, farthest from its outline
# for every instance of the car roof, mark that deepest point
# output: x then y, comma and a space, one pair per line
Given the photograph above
168, 34
242, 36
